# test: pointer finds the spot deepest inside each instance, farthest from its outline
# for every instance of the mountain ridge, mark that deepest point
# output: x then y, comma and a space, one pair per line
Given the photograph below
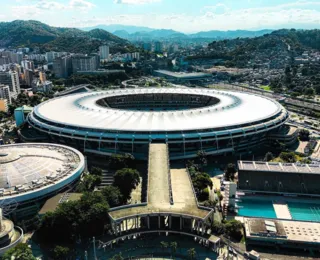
31, 33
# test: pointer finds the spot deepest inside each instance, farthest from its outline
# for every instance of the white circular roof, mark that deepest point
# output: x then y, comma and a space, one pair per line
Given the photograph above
26, 168
81, 110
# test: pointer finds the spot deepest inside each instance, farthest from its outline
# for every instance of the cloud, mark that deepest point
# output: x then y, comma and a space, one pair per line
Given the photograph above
135, 2
36, 9
81, 4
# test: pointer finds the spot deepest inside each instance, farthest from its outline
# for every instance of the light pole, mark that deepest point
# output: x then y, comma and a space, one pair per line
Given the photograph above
94, 248
85, 255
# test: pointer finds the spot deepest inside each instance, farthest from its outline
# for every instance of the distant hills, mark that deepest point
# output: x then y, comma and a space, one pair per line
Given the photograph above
145, 33
32, 33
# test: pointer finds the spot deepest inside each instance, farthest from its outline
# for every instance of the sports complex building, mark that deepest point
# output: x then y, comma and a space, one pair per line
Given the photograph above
188, 120
30, 173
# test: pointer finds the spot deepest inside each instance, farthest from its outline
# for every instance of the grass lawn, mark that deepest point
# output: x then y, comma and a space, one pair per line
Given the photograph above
267, 88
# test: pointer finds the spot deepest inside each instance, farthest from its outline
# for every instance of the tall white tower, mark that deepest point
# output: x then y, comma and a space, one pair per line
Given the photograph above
104, 52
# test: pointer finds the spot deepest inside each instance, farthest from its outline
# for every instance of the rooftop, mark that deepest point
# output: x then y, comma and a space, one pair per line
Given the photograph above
52, 203
27, 167
278, 167
298, 231
82, 110
182, 75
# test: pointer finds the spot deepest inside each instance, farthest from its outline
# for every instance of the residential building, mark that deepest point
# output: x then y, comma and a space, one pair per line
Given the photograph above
85, 63
62, 66
27, 64
11, 78
5, 93
3, 105
147, 46
28, 76
42, 76
51, 56
39, 86
158, 47
104, 52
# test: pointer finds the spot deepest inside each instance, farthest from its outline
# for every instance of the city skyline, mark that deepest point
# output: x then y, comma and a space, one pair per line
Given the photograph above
184, 16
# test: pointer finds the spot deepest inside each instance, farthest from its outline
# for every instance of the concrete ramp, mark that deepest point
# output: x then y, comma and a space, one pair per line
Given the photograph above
158, 183
282, 210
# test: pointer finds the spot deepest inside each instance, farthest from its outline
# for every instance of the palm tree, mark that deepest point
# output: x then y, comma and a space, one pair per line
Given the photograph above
173, 246
192, 253
164, 245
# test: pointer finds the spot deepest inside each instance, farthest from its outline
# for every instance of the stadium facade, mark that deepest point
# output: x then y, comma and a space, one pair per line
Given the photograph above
188, 120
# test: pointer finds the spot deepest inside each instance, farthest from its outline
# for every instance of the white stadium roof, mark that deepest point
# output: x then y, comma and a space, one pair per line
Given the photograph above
81, 110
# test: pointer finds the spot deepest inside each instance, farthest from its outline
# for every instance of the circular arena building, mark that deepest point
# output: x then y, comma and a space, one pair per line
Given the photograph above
31, 172
188, 120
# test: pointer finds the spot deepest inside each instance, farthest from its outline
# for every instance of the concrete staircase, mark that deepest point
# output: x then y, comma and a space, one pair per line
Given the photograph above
107, 179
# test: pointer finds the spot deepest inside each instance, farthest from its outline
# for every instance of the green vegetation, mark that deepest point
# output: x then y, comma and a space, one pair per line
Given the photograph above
230, 171
117, 257
267, 88
268, 157
88, 183
200, 180
61, 252
118, 161
304, 135
36, 34
192, 253
72, 220
232, 229
24, 99
19, 252
126, 180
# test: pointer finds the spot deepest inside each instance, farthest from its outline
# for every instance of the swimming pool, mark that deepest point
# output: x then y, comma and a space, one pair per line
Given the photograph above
304, 211
263, 208
256, 208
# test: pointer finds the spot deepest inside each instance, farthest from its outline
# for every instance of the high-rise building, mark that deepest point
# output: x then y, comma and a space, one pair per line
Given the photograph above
11, 78
158, 47
51, 56
62, 66
104, 52
28, 76
27, 64
5, 93
85, 63
42, 76
147, 46
4, 105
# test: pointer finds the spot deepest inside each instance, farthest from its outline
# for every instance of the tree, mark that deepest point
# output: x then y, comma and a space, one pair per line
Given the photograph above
304, 135
19, 252
233, 228
88, 183
163, 245
288, 157
210, 203
218, 228
202, 158
174, 246
117, 257
96, 171
61, 252
112, 195
192, 253
126, 180
201, 181
118, 161
268, 157
230, 171
72, 220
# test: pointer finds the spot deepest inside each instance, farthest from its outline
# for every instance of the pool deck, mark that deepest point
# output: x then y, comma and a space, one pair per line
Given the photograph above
282, 210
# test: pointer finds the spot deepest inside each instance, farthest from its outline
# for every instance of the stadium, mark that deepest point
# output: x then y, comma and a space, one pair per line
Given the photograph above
188, 120
32, 172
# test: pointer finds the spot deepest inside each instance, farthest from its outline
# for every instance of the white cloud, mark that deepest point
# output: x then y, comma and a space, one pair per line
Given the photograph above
135, 2
36, 9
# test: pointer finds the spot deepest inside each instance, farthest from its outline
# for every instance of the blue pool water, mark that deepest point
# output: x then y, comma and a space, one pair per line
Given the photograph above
256, 208
302, 210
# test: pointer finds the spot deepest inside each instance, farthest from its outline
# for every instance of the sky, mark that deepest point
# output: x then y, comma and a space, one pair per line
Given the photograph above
182, 15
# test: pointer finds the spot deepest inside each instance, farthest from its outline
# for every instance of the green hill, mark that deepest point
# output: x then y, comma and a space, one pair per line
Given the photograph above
36, 34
